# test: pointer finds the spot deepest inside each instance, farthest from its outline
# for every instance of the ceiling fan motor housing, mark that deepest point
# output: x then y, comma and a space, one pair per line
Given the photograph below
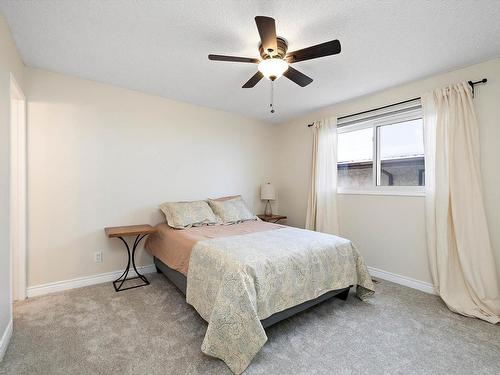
280, 53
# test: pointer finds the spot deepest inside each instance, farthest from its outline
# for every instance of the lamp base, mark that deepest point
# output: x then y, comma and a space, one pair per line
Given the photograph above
268, 210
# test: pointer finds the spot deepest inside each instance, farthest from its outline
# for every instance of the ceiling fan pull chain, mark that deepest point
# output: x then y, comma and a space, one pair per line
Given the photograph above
272, 97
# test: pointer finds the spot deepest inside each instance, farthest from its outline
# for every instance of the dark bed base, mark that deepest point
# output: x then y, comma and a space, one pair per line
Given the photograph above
180, 281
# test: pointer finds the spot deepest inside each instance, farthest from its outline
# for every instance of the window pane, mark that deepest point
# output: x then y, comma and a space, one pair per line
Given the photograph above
402, 154
355, 159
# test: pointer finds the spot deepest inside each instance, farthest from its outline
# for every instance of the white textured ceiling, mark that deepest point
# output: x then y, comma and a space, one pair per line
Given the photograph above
161, 47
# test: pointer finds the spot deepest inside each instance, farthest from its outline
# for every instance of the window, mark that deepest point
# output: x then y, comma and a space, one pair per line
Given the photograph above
382, 152
401, 150
355, 158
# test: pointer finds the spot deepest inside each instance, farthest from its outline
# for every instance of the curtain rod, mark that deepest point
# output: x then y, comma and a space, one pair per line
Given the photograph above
472, 84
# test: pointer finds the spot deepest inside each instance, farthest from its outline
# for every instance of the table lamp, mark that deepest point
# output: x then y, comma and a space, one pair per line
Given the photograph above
268, 194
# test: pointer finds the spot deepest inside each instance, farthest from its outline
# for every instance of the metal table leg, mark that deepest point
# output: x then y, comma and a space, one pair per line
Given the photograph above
131, 259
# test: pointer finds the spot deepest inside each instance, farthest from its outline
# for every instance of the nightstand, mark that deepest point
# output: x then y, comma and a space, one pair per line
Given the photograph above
272, 218
140, 231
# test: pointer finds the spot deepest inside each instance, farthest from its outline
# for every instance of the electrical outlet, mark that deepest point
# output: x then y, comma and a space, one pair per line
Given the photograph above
98, 257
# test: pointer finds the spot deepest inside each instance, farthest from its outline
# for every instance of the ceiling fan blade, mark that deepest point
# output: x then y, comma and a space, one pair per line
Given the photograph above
267, 32
299, 78
324, 49
233, 59
253, 81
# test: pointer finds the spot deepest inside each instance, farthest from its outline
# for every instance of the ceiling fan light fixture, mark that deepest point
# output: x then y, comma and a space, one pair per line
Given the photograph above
273, 68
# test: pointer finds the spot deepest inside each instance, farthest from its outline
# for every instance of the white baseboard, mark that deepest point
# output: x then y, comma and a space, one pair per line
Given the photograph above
79, 282
402, 280
4, 341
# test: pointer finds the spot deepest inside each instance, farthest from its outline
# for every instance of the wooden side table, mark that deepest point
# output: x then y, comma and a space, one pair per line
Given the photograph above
140, 231
271, 218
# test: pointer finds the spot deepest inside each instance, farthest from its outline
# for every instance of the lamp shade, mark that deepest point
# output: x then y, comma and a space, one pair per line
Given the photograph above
267, 192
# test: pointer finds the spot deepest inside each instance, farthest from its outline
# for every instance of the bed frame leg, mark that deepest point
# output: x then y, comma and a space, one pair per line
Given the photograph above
343, 296
156, 266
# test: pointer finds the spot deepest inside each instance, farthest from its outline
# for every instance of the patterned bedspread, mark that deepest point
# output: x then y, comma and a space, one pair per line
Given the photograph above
234, 282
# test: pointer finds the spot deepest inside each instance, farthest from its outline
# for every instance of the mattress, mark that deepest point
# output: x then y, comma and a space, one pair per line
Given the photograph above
173, 246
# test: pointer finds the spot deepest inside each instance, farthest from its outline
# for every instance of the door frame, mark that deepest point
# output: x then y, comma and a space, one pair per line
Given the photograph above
18, 167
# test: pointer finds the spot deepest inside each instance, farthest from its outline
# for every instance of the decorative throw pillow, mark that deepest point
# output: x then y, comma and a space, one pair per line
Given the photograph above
182, 215
231, 210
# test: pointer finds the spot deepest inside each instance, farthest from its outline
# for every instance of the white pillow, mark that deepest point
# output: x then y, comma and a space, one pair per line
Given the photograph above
182, 215
232, 210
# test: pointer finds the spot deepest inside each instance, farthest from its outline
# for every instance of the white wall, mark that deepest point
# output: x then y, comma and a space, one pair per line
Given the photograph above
103, 156
10, 62
390, 230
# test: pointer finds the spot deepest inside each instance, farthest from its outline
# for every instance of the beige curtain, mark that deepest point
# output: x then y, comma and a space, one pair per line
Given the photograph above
322, 203
459, 248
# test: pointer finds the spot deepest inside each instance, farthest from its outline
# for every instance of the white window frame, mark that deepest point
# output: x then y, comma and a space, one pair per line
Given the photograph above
376, 122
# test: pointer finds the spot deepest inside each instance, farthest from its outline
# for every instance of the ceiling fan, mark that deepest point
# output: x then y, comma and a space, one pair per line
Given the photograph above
275, 60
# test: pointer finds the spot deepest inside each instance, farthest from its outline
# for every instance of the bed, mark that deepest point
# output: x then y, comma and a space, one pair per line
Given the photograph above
245, 277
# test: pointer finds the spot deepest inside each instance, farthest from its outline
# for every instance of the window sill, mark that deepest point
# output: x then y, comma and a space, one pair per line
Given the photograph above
408, 193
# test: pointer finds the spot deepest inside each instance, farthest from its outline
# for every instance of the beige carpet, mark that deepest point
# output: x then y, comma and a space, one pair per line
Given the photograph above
152, 330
